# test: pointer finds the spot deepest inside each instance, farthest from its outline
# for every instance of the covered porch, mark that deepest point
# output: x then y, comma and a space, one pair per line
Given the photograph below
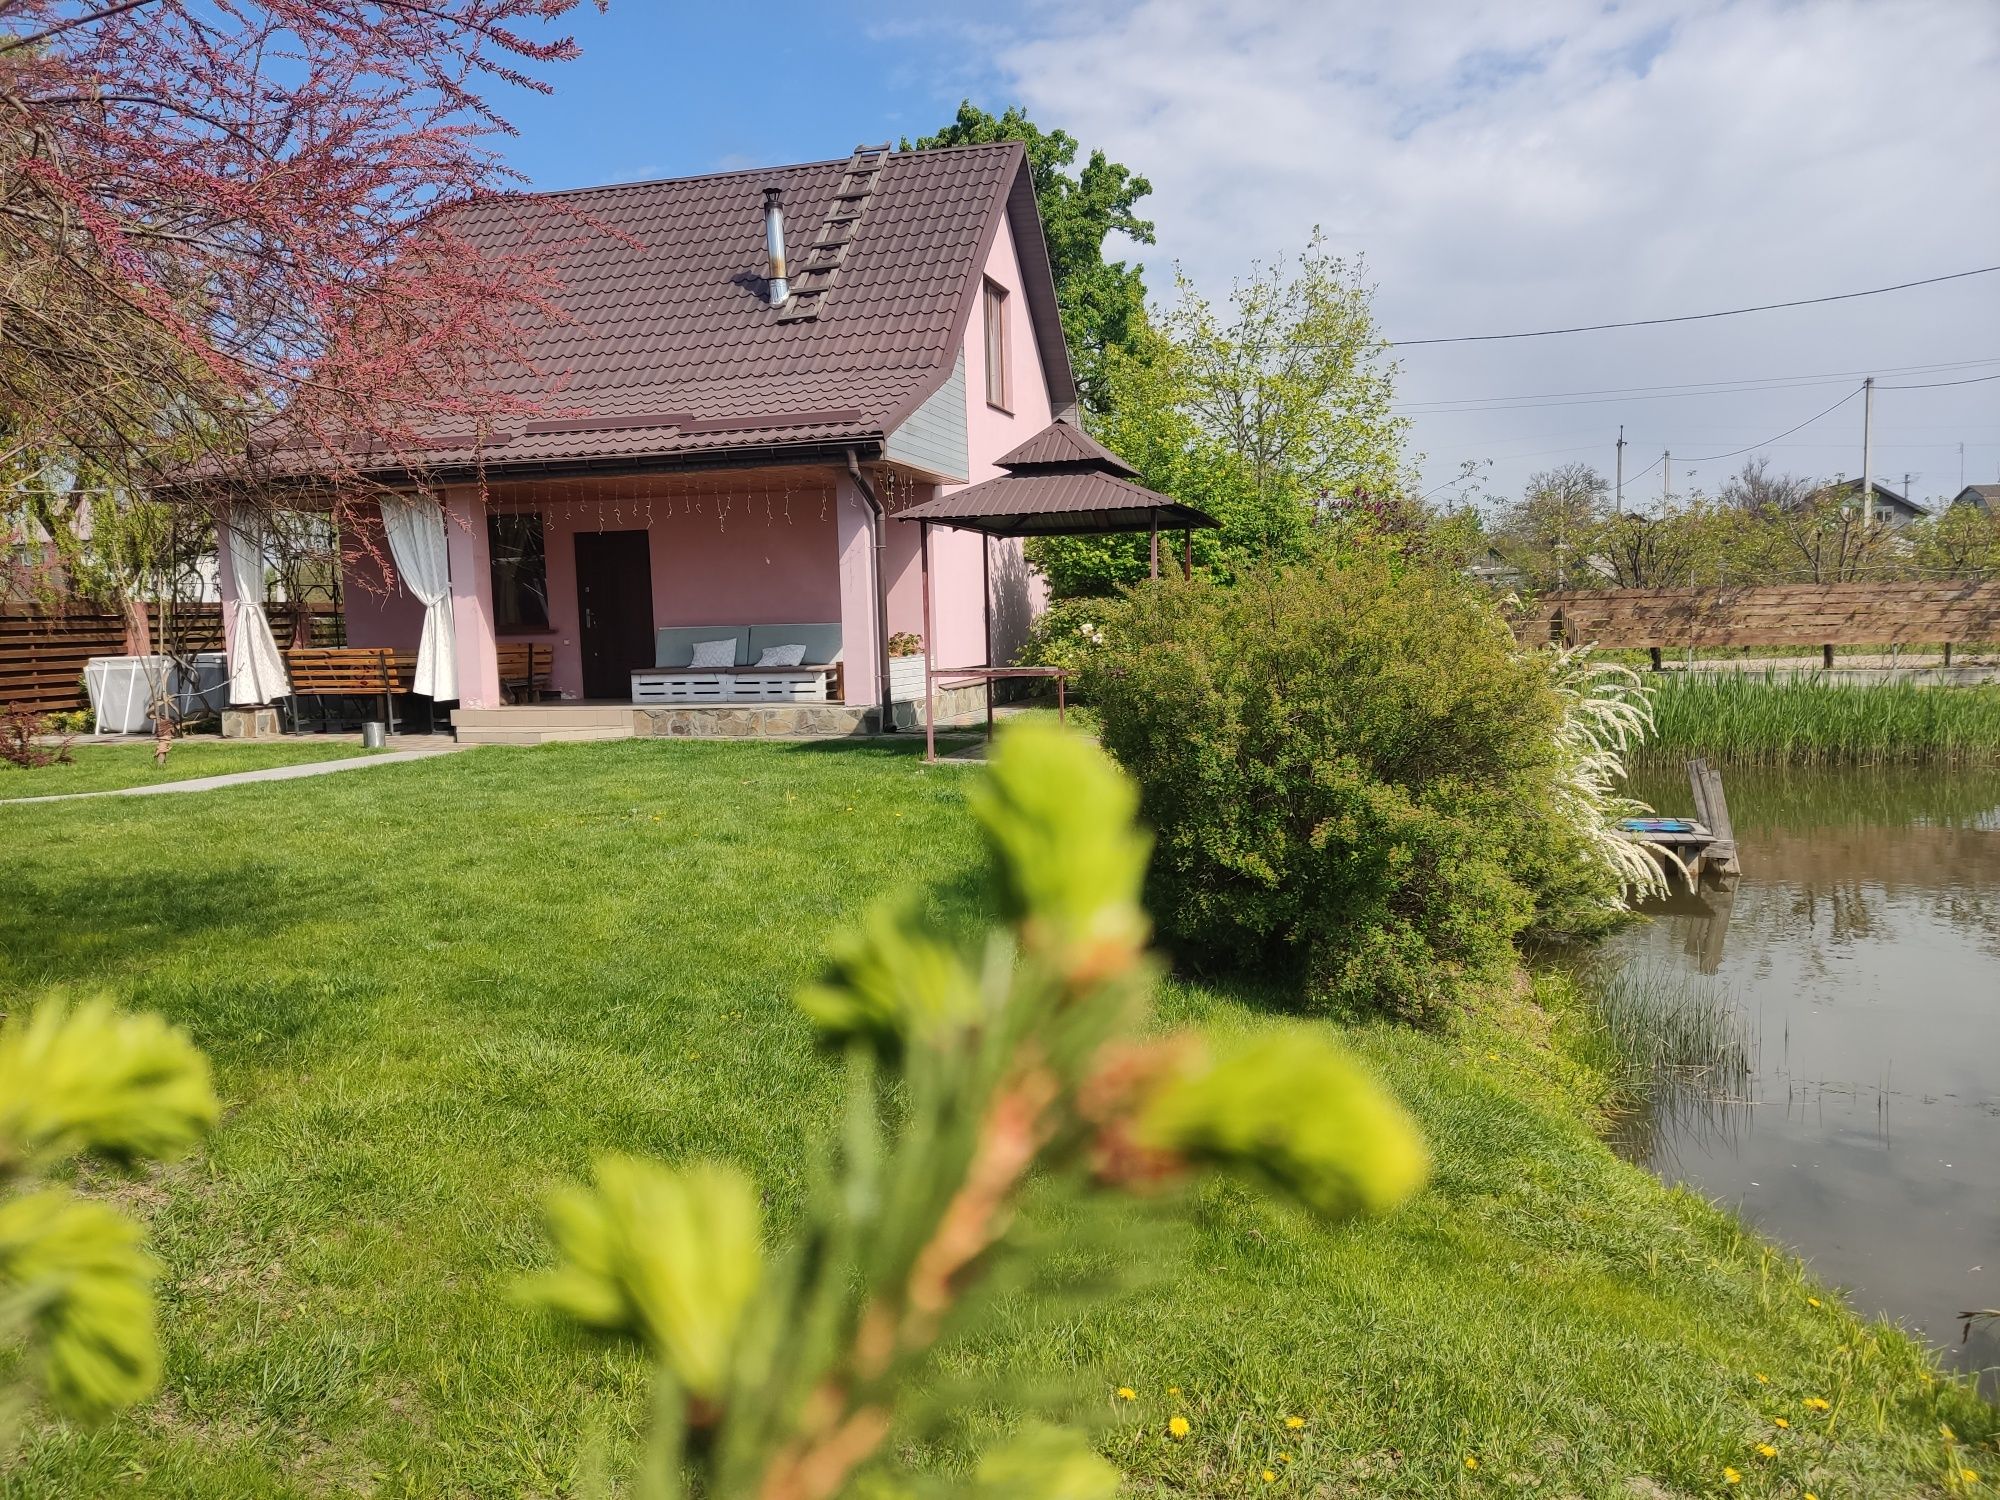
579, 608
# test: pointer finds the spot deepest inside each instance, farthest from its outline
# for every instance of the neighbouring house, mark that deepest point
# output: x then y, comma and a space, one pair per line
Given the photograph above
1981, 497
733, 436
1891, 509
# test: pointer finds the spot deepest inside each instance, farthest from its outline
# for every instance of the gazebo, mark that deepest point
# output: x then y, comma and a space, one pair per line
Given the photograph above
1061, 482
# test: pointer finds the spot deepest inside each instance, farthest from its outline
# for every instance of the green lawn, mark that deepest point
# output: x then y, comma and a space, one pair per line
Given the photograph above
102, 768
434, 990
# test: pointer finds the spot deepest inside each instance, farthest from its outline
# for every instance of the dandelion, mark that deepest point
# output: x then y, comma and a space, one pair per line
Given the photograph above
1781, 1422
1126, 1393
1730, 1476
1765, 1450
1270, 1476
1471, 1462
1970, 1476
1284, 1458
1762, 1378
1295, 1423
1177, 1427
1818, 1403
1949, 1435
1173, 1390
1812, 1302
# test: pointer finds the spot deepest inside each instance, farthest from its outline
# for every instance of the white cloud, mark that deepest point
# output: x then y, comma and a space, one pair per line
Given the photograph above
1516, 165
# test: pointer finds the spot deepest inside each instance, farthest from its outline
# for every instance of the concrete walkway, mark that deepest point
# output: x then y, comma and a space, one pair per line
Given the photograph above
244, 778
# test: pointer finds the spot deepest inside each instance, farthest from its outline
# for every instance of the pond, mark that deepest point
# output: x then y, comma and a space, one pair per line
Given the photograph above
1861, 953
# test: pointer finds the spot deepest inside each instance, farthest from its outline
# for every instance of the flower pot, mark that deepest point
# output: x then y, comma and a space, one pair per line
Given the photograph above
906, 678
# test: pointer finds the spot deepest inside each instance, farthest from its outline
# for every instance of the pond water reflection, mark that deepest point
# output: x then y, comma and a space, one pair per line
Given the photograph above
1862, 947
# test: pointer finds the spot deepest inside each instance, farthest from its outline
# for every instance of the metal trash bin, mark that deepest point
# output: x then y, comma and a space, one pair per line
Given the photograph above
372, 737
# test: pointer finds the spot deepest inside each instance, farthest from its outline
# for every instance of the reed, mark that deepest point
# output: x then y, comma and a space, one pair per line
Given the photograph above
1676, 1049
1768, 720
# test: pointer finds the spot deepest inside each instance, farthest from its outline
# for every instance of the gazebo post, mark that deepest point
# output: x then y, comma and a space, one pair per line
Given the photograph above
930, 647
986, 610
1156, 544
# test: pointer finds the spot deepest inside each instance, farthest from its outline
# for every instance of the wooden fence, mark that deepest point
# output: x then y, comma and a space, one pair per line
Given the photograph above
1791, 614
42, 656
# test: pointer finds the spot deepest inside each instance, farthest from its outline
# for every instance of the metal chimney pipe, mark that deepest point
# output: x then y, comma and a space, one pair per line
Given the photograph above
774, 245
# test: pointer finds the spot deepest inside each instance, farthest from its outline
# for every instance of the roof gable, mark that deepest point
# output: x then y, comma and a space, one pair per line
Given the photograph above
664, 345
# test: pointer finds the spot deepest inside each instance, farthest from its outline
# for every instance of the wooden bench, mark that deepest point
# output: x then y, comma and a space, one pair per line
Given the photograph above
320, 673
524, 670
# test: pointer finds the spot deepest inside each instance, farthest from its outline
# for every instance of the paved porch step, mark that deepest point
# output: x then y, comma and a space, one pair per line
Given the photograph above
545, 716
547, 736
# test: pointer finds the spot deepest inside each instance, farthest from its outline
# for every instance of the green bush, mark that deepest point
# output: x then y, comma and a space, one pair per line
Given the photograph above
1350, 770
1066, 633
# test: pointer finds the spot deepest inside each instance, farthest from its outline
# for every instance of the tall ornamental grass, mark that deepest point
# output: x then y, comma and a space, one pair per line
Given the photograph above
1766, 720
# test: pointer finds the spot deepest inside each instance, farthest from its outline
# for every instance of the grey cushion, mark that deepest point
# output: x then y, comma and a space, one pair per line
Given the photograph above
720, 653
781, 656
822, 642
674, 644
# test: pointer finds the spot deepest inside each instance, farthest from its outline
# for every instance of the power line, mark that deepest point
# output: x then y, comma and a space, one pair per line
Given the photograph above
1767, 442
1729, 312
1692, 387
1931, 385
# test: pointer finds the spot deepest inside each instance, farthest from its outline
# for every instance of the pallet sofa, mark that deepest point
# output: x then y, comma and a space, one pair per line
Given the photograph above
674, 678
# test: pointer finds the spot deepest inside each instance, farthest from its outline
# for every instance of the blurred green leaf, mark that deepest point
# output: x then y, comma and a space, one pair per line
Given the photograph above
77, 1273
1293, 1108
1046, 1463
90, 1078
1070, 860
889, 981
669, 1254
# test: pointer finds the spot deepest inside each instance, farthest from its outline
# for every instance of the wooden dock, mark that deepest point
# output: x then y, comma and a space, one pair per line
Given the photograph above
1706, 847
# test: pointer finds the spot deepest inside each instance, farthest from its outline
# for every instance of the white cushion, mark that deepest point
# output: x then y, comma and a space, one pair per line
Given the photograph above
782, 656
713, 654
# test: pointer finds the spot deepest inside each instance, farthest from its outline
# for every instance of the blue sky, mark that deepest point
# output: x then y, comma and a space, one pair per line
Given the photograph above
1495, 165
664, 90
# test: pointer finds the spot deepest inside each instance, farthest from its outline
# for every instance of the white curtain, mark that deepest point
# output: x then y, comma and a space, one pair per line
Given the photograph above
256, 670
416, 541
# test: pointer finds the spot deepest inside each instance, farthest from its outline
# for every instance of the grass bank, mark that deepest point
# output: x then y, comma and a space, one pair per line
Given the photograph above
103, 768
1761, 720
433, 991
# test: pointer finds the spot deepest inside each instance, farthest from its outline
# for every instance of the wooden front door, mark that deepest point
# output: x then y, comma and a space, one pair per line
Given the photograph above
614, 599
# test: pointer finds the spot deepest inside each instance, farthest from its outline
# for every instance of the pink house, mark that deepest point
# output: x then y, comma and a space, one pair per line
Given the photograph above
732, 436
755, 483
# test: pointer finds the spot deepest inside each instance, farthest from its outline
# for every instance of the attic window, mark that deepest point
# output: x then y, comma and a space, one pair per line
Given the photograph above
999, 388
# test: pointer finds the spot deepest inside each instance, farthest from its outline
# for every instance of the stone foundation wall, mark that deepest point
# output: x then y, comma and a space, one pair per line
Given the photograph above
967, 702
795, 721
786, 721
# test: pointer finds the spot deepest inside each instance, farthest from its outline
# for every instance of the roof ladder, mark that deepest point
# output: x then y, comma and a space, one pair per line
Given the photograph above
819, 268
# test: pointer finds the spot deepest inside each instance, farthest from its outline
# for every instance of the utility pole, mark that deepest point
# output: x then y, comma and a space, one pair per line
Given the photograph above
1908, 478
1961, 466
1621, 468
1666, 479
1867, 450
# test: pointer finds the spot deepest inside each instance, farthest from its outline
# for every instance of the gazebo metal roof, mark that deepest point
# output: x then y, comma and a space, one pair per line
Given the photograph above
1059, 483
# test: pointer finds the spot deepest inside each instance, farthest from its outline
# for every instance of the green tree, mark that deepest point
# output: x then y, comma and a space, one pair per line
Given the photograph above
1103, 301
1272, 414
1551, 531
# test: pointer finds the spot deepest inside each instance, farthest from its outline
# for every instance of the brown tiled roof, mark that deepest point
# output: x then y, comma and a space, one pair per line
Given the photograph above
668, 351
1061, 483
